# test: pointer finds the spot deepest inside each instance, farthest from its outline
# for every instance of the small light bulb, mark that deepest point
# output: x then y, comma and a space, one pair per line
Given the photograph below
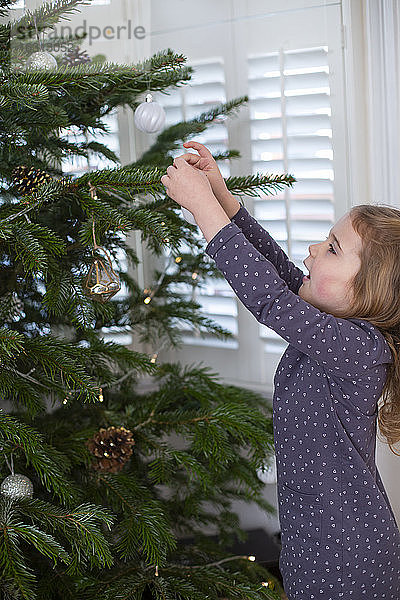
101, 396
157, 571
264, 583
153, 358
252, 558
147, 300
178, 259
65, 401
194, 275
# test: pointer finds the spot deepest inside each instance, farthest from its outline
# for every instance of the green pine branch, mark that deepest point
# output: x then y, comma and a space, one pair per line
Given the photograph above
45, 16
251, 185
78, 528
48, 464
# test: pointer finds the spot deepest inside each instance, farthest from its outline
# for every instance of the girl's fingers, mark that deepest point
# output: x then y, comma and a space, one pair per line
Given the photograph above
179, 162
188, 155
164, 180
190, 158
202, 150
170, 169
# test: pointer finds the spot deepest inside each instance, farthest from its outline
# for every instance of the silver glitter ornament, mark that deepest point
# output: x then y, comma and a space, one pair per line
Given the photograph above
43, 61
17, 486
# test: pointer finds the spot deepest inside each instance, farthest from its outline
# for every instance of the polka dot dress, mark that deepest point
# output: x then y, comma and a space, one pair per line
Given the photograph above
339, 534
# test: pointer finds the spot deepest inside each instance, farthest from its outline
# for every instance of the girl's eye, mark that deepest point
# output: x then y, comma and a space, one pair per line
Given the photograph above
331, 248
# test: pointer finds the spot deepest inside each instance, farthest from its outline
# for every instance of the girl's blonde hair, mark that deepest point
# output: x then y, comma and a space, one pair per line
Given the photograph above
376, 298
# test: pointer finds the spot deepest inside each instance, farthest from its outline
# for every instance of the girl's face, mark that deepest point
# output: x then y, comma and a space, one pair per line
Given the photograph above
332, 265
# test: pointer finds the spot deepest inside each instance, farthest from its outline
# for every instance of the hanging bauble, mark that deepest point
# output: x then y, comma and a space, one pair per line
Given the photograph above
17, 486
188, 216
149, 116
101, 282
268, 474
112, 447
43, 61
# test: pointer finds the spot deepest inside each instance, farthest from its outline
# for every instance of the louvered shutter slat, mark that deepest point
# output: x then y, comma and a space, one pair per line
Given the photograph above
307, 83
268, 166
268, 87
267, 128
308, 124
303, 59
312, 145
306, 104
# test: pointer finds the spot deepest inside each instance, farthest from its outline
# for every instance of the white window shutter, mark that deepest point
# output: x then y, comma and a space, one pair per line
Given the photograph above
291, 131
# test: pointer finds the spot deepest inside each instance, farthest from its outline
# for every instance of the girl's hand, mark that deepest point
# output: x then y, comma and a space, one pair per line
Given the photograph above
188, 186
206, 164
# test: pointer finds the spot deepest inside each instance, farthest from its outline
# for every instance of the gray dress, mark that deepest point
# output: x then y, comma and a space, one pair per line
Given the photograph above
339, 534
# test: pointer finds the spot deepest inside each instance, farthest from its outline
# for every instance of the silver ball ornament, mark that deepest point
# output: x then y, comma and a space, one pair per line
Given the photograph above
17, 486
43, 61
188, 216
149, 116
269, 474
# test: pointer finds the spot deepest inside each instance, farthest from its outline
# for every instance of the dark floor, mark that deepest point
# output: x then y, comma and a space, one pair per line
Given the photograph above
264, 547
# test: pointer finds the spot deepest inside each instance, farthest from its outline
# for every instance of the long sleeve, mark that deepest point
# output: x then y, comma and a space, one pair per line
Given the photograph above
347, 347
268, 247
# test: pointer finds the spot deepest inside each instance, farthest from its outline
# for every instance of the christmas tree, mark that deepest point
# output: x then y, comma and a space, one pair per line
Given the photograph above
106, 491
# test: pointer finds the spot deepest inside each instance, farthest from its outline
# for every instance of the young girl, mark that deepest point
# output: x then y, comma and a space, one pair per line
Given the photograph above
342, 321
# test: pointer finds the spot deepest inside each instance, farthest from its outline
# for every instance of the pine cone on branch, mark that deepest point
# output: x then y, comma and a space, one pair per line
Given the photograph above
74, 56
112, 447
26, 179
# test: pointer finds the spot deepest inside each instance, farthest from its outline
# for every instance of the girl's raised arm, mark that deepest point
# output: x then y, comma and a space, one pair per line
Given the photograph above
237, 213
268, 247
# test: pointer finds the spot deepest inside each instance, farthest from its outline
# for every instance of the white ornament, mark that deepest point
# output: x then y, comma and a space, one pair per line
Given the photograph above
17, 486
188, 216
149, 116
41, 60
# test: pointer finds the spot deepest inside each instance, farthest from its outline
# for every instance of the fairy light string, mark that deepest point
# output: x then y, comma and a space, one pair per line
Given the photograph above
250, 558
